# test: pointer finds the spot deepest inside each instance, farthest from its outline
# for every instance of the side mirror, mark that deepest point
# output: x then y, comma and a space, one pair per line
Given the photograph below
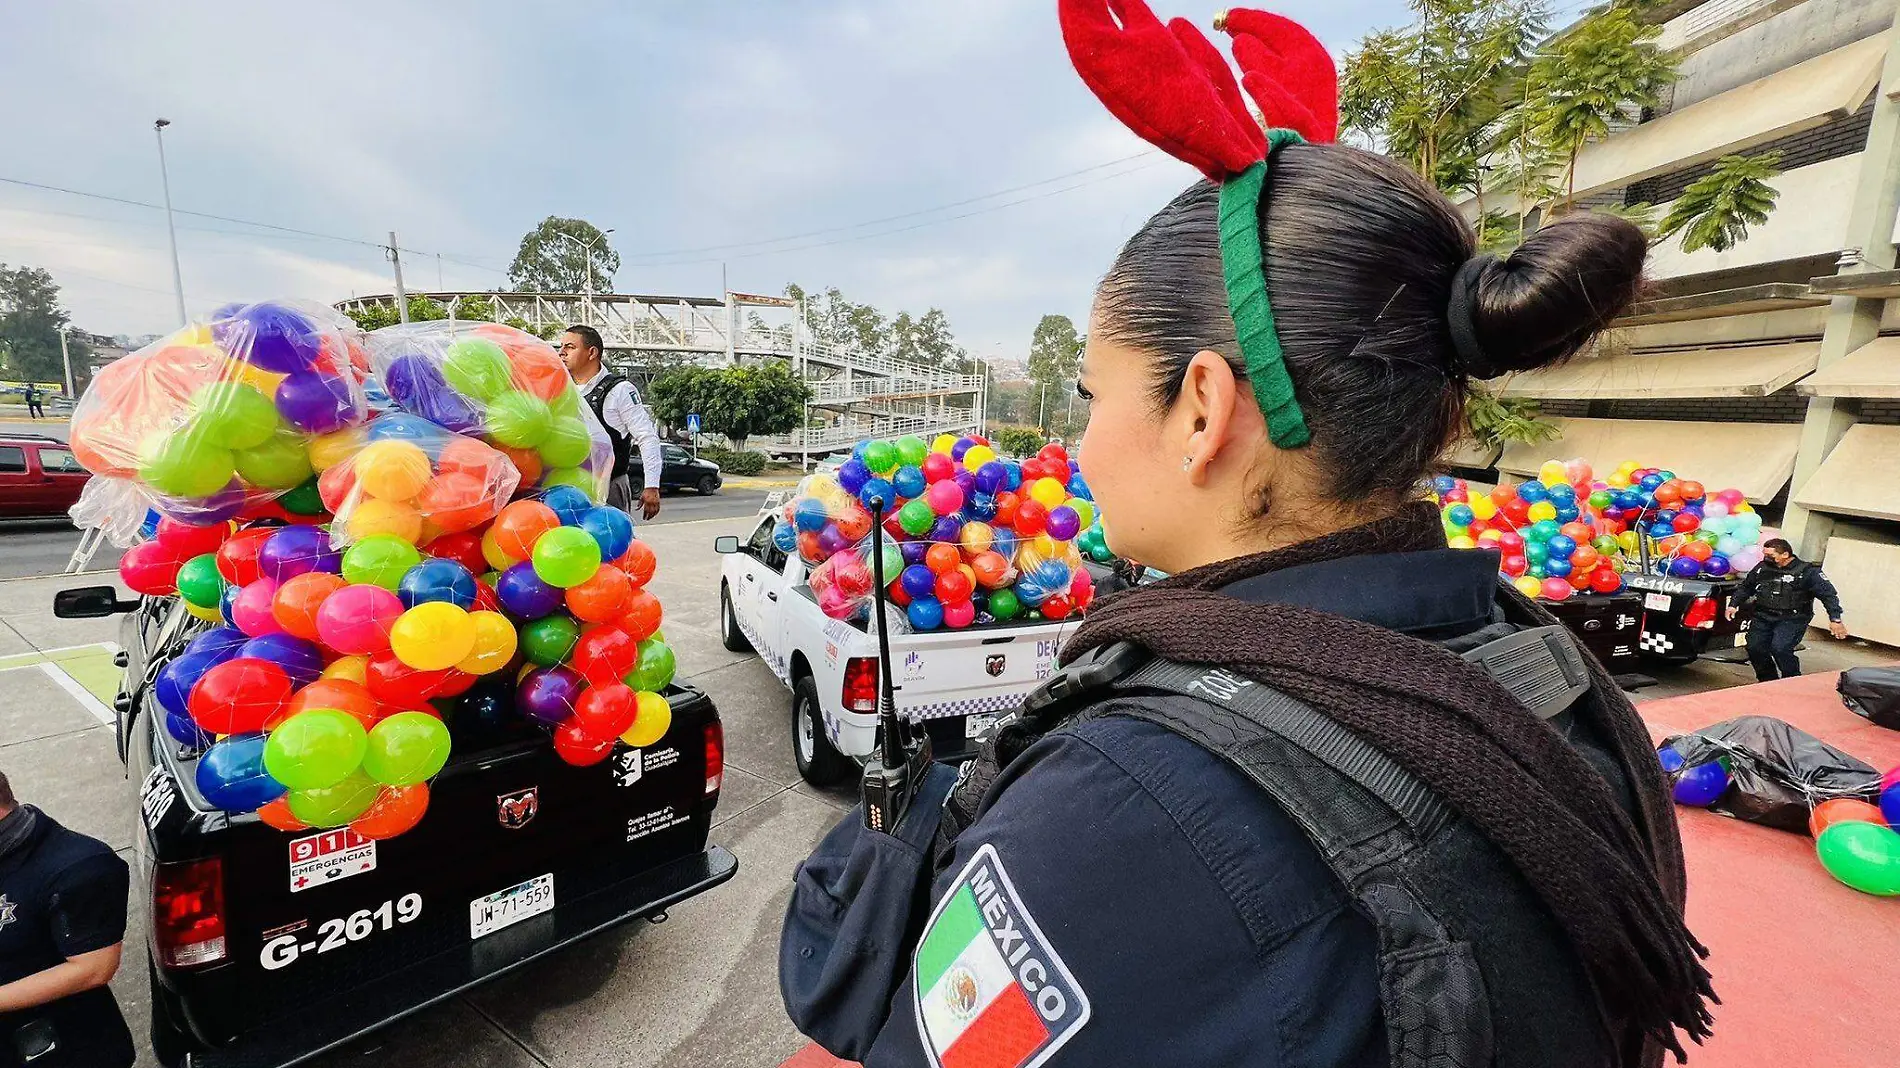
90, 602
726, 545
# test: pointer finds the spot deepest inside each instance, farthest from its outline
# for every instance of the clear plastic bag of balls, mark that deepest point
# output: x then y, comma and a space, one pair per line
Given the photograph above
822, 520
405, 476
222, 414
503, 385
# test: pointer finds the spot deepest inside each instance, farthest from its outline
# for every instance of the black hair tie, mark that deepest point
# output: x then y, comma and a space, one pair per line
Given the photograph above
1471, 358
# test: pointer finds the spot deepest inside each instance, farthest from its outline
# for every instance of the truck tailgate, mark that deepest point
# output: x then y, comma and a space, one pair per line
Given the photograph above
958, 673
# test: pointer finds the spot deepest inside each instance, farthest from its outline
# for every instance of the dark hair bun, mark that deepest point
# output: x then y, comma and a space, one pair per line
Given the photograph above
1561, 287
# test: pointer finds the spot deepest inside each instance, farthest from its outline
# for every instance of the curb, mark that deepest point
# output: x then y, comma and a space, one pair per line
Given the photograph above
762, 483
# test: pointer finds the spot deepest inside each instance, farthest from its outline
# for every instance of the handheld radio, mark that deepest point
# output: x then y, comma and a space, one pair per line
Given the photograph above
897, 768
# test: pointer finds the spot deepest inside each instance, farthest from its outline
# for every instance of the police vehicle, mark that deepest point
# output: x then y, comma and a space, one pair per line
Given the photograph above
953, 682
267, 948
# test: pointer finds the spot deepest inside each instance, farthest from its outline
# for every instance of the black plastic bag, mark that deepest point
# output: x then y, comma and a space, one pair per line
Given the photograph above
1872, 692
1778, 773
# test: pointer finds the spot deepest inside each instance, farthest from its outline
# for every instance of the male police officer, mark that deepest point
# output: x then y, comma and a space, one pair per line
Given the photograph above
1783, 589
62, 922
617, 405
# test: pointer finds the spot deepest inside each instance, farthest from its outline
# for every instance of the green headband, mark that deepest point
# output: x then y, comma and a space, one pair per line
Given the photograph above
1243, 264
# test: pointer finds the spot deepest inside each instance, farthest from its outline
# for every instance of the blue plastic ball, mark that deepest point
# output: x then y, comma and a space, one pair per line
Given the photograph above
149, 527
524, 595
1460, 514
1052, 575
1717, 566
437, 580
1560, 493
1671, 760
785, 537
1444, 484
218, 642
1031, 592
1702, 785
918, 581
1561, 545
569, 503
185, 731
810, 515
1557, 566
226, 601
1684, 567
992, 477
175, 680
925, 614
980, 506
908, 481
1532, 492
1079, 487
401, 426
1015, 474
611, 528
1567, 513
1650, 482
852, 475
877, 490
231, 775
301, 660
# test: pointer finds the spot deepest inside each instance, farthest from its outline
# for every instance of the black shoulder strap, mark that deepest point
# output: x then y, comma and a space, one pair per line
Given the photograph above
1369, 818
597, 393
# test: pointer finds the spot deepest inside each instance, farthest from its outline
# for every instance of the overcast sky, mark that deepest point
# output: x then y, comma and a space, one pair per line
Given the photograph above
681, 125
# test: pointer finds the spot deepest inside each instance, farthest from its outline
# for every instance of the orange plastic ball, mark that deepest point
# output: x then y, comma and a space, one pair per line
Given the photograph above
527, 462
340, 694
277, 814
854, 522
942, 558
297, 600
520, 525
1843, 810
991, 569
468, 456
335, 485
642, 616
638, 562
394, 811
539, 371
456, 501
605, 596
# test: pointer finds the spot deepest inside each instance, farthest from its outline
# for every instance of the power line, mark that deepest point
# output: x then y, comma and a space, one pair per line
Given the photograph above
182, 211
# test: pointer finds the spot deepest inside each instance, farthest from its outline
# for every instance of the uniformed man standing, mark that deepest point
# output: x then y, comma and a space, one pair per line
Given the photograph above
62, 923
628, 422
1783, 589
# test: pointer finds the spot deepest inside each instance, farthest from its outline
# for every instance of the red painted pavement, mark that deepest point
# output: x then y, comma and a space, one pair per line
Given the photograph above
1808, 970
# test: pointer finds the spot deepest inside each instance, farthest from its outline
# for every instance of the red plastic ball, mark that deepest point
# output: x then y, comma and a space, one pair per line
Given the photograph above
639, 562
938, 467
605, 712
237, 557
642, 616
604, 655
1031, 518
1686, 522
1054, 455
954, 587
239, 696
1057, 607
463, 547
397, 685
186, 541
575, 746
150, 567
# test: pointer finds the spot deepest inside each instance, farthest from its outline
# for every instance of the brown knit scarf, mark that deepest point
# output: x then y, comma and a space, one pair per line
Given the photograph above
1615, 886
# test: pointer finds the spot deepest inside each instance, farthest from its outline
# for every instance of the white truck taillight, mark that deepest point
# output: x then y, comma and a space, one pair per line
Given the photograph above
715, 756
188, 913
860, 684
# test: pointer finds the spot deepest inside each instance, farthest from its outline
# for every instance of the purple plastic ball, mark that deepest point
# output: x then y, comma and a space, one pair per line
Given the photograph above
1684, 567
852, 475
411, 380
966, 482
301, 660
294, 550
547, 695
204, 511
991, 477
832, 540
962, 446
316, 403
914, 551
946, 529
271, 337
1716, 566
524, 595
919, 581
1064, 524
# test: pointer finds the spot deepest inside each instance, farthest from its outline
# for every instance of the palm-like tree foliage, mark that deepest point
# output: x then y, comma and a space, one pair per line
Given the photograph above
1717, 209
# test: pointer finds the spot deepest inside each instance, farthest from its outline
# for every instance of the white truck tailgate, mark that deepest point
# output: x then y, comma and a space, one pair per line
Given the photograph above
957, 673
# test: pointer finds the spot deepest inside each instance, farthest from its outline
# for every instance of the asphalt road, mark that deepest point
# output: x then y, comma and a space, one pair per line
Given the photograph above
42, 547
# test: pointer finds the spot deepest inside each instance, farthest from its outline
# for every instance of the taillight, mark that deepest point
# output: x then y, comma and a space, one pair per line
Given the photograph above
715, 756
1701, 614
188, 913
860, 684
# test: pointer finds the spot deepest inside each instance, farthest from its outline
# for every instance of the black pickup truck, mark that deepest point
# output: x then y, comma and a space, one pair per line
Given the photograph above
267, 948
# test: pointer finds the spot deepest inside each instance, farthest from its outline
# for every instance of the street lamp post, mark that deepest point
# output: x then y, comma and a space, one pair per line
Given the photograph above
587, 253
178, 279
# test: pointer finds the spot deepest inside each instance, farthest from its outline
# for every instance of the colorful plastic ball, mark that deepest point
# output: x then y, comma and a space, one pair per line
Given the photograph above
1605, 580
237, 696
150, 568
925, 613
547, 641
477, 367
1004, 604
396, 810
353, 668
958, 614
398, 686
495, 644
1700, 785
186, 732
547, 695
406, 748
603, 597
908, 481
518, 419
317, 403
918, 580
916, 517
340, 694
606, 711
373, 517
335, 806
1528, 585
392, 470
643, 615
231, 775
233, 414
357, 620
198, 581
301, 660
1064, 524
380, 560
1864, 856
574, 745
1032, 518
433, 636
880, 457
1842, 810
294, 550
567, 443
280, 463
524, 594
175, 680
954, 587
463, 547
654, 670
186, 465
437, 580
611, 528
315, 748
1684, 567
566, 556
252, 608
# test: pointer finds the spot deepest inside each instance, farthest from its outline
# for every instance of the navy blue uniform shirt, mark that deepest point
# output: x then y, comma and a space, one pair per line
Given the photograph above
1127, 898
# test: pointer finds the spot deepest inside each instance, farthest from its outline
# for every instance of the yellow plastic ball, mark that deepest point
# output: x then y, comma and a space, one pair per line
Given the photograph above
495, 642
1618, 480
1463, 541
1553, 472
393, 470
976, 456
1741, 508
433, 635
1527, 585
328, 450
1483, 506
1541, 511
209, 615
1048, 492
263, 381
492, 553
1630, 541
944, 443
372, 516
353, 668
194, 334
652, 716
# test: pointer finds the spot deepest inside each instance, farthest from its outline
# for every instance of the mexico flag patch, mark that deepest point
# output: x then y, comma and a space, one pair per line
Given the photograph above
990, 990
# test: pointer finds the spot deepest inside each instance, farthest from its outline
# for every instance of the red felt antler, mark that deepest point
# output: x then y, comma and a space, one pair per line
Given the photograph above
1287, 72
1160, 82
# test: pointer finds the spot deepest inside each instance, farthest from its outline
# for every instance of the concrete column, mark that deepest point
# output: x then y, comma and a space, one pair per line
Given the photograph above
1852, 321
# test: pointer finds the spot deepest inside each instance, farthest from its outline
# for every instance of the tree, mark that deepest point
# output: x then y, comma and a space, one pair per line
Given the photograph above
376, 316
934, 344
475, 309
551, 258
30, 324
1593, 78
680, 391
1717, 209
736, 402
1055, 353
1019, 440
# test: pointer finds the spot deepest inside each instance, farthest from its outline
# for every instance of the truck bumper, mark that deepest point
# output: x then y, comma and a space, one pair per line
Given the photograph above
321, 1026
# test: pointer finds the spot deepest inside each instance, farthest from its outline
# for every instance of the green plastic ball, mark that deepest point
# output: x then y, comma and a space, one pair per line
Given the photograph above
916, 518
893, 560
567, 405
567, 443
1004, 604
478, 368
280, 463
566, 556
1865, 856
519, 420
234, 414
576, 477
654, 670
304, 500
334, 806
187, 464
315, 748
380, 560
880, 457
548, 640
199, 582
911, 450
408, 747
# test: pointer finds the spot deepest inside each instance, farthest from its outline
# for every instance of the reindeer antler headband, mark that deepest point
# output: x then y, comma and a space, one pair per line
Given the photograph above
1171, 86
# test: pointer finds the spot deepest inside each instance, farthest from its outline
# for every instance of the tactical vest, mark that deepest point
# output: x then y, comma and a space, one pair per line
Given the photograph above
1473, 970
597, 399
1785, 592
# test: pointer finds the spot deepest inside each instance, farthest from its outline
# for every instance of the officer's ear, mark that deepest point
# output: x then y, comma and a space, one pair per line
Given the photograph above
1217, 416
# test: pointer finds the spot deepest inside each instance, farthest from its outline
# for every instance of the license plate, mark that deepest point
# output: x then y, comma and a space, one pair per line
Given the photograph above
975, 726
505, 908
1656, 602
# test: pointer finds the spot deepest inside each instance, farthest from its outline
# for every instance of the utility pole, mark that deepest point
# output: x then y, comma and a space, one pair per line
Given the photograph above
402, 295
587, 254
67, 359
439, 287
178, 279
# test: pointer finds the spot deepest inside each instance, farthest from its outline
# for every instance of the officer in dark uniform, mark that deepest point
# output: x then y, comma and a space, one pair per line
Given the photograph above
62, 922
1329, 793
1783, 589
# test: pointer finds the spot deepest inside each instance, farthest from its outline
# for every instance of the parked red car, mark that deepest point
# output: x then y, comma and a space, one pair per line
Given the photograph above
39, 476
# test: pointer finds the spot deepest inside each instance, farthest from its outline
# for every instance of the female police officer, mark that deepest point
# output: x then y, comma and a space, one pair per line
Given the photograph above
1328, 794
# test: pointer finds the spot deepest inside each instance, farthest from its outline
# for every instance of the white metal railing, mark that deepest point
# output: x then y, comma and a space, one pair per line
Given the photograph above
825, 439
1703, 18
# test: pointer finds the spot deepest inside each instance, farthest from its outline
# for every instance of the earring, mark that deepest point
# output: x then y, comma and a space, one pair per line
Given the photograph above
1187, 462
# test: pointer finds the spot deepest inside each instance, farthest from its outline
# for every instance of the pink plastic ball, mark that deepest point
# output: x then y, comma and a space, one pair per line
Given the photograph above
251, 610
959, 615
356, 620
944, 497
1557, 589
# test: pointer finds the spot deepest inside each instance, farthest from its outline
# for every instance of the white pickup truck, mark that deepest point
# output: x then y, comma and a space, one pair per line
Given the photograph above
953, 681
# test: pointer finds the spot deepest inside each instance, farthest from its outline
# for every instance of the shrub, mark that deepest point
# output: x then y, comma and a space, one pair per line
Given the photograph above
1019, 440
734, 463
